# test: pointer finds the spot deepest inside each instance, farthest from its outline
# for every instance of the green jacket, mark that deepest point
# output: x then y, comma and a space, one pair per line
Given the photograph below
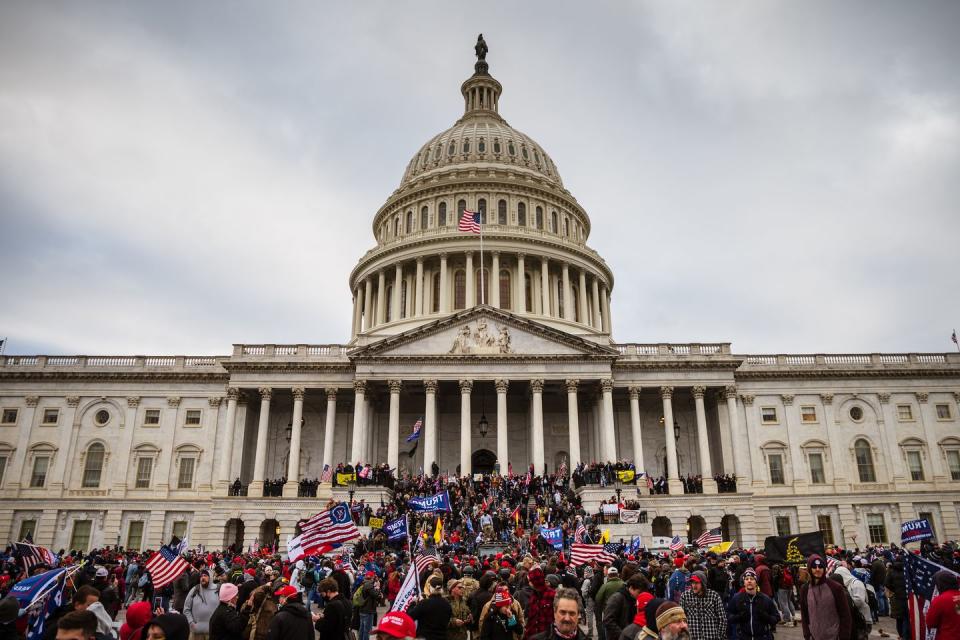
609, 588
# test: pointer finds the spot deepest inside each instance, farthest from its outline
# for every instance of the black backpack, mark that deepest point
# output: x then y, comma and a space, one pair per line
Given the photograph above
307, 578
859, 628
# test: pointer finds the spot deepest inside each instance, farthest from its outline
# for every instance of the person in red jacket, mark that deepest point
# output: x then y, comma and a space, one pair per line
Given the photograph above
942, 614
764, 576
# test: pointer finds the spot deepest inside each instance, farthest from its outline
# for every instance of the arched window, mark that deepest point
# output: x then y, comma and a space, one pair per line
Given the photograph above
435, 303
528, 292
566, 227
396, 226
483, 286
424, 218
409, 221
93, 466
496, 145
403, 299
461, 207
864, 455
451, 148
442, 215
553, 220
502, 212
389, 303
539, 218
460, 289
481, 146
506, 300
482, 208
466, 145
521, 214
576, 307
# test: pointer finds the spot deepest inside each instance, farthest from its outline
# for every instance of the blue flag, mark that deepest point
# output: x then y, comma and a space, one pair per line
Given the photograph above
915, 530
396, 529
553, 536
41, 612
32, 589
417, 426
429, 504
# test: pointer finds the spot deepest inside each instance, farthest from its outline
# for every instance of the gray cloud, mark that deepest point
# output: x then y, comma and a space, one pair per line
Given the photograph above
178, 177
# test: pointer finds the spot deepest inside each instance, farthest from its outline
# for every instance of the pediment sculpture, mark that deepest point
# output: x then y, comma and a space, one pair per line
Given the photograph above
481, 340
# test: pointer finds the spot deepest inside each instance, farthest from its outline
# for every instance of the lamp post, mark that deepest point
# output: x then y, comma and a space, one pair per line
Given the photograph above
484, 425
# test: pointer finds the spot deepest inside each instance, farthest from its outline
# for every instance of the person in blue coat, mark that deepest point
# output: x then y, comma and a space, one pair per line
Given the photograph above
753, 614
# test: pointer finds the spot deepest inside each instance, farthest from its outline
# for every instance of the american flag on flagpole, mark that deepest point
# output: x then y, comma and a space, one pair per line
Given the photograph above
676, 544
327, 529
425, 560
710, 538
415, 433
580, 533
165, 566
327, 474
921, 589
33, 554
469, 221
581, 553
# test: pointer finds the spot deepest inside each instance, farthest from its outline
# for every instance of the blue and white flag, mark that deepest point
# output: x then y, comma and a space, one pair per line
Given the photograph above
46, 606
915, 530
397, 529
417, 426
553, 536
30, 590
429, 504
635, 543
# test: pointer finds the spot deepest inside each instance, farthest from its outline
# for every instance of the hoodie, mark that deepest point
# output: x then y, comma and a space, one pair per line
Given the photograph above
138, 614
199, 606
824, 612
942, 614
174, 625
857, 591
104, 621
292, 622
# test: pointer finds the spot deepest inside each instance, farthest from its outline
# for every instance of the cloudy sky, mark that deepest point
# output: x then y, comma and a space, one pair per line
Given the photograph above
179, 176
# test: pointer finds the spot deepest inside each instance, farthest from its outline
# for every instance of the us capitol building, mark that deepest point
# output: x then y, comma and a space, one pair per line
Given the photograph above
101, 450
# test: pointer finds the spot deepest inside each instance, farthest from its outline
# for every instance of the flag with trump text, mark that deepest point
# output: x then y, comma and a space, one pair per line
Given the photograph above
921, 590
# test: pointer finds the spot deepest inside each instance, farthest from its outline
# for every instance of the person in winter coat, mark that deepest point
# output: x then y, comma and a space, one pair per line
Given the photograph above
227, 623
173, 626
607, 589
706, 618
368, 601
433, 613
540, 607
138, 615
621, 607
717, 577
261, 607
858, 592
334, 622
824, 612
753, 613
764, 575
293, 621
181, 586
480, 598
461, 611
566, 618
650, 630
501, 622
199, 605
896, 588
942, 614
677, 583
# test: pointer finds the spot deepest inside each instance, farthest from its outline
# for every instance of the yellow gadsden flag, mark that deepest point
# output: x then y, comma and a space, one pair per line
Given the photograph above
723, 547
438, 533
605, 536
627, 475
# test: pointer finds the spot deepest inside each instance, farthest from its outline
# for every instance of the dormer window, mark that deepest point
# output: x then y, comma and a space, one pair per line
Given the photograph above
452, 148
466, 146
511, 149
481, 146
496, 145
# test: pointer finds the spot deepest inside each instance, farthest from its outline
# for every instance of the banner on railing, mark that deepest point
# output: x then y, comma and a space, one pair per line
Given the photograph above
610, 509
375, 523
344, 478
627, 475
630, 516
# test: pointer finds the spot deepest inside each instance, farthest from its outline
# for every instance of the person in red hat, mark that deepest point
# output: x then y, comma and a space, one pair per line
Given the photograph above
503, 620
293, 621
395, 625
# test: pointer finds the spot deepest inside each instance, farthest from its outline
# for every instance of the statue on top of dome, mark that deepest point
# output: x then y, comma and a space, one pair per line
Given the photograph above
481, 68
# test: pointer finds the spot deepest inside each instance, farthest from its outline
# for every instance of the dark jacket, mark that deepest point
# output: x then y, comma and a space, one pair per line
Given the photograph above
292, 622
496, 626
550, 634
433, 615
755, 616
619, 611
370, 596
840, 602
227, 623
479, 598
335, 623
896, 583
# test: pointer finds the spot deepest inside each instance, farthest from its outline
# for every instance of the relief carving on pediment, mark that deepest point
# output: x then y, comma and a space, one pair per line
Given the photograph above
481, 341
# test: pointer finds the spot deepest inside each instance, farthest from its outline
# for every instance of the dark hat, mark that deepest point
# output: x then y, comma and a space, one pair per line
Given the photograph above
9, 609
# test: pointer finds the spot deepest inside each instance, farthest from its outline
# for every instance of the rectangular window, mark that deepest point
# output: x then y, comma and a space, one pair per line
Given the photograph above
180, 528
825, 524
775, 460
151, 417
928, 516
144, 473
904, 412
768, 415
953, 461
943, 412
817, 475
9, 416
28, 529
808, 414
80, 537
38, 477
192, 418
876, 528
135, 535
915, 463
50, 416
783, 525
185, 476
3, 468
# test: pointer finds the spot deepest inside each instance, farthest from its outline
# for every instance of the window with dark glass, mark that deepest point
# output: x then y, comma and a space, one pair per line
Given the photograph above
424, 218
817, 474
915, 464
876, 528
825, 525
442, 215
460, 289
528, 292
482, 208
435, 303
775, 460
521, 214
481, 146
864, 457
502, 212
505, 297
409, 221
461, 207
496, 145
783, 525
538, 218
93, 466
553, 223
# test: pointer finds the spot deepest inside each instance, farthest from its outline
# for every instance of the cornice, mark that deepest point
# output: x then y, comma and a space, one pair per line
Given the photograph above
805, 374
286, 366
703, 364
113, 376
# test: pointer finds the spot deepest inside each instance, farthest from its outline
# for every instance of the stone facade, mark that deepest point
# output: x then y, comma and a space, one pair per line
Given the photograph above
132, 449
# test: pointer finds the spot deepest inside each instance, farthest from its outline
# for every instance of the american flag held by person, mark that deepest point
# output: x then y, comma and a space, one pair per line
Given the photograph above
33, 555
166, 565
581, 553
921, 590
328, 529
676, 544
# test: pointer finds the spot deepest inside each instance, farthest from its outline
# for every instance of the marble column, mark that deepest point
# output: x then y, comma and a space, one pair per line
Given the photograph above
358, 440
573, 423
582, 298
521, 284
466, 451
471, 282
927, 419
368, 304
752, 423
328, 428
393, 429
741, 465
291, 489
381, 297
567, 310
595, 294
357, 312
430, 425
605, 304
494, 285
536, 389
706, 467
636, 429
545, 287
395, 312
673, 472
609, 433
260, 460
419, 307
444, 294
503, 437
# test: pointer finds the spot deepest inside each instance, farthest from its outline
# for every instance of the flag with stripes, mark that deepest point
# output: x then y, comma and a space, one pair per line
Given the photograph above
581, 533
614, 548
581, 553
469, 221
710, 538
676, 544
327, 474
921, 590
425, 560
165, 566
32, 555
415, 433
328, 529
832, 565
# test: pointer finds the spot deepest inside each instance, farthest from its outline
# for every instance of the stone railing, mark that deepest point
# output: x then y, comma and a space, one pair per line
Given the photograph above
206, 363
850, 359
332, 351
673, 349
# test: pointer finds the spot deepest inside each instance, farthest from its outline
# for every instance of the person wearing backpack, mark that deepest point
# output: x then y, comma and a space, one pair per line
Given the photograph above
200, 604
824, 609
365, 601
858, 593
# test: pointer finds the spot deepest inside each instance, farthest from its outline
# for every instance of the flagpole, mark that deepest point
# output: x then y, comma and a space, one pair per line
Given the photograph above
482, 288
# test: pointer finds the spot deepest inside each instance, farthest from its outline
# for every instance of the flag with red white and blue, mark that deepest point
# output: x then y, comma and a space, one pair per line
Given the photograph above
469, 222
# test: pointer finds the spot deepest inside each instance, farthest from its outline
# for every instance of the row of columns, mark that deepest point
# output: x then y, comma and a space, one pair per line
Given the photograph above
593, 307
